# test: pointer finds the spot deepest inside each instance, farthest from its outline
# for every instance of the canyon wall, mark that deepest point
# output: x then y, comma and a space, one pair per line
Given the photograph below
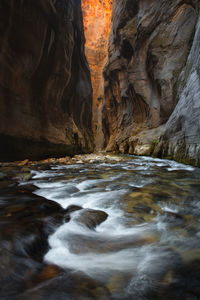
45, 88
97, 24
149, 44
181, 139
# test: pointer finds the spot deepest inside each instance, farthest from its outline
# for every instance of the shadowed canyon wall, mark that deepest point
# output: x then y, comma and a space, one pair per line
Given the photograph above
97, 24
181, 139
149, 45
45, 88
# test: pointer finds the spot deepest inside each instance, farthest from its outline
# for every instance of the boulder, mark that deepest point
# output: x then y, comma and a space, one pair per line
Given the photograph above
91, 218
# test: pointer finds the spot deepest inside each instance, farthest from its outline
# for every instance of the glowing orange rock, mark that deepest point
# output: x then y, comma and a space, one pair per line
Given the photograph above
97, 25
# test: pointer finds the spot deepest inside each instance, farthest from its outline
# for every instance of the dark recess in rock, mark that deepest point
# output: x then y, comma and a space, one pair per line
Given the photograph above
45, 88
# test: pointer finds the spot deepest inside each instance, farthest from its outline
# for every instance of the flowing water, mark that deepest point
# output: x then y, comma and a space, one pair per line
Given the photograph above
149, 245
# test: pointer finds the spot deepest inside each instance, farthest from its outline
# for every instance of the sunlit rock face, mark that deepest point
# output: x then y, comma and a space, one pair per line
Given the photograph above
45, 88
181, 140
149, 45
97, 24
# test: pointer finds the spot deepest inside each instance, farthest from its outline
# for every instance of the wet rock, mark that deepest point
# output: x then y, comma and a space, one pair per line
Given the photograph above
48, 161
184, 284
30, 241
79, 162
174, 218
99, 158
118, 285
7, 183
10, 170
14, 272
23, 163
25, 170
67, 218
47, 272
69, 286
140, 204
26, 221
155, 279
72, 208
91, 218
174, 214
65, 160
23, 177
30, 188
42, 167
3, 176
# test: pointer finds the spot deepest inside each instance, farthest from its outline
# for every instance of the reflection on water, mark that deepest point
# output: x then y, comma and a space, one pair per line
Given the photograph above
146, 245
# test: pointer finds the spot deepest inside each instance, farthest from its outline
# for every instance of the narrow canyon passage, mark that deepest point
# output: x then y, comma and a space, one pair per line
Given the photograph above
97, 26
142, 61
121, 76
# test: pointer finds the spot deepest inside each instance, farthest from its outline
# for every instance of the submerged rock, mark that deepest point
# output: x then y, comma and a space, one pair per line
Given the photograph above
26, 221
68, 286
85, 244
140, 207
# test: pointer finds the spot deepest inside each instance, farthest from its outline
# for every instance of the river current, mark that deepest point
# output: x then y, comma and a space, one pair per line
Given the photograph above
147, 248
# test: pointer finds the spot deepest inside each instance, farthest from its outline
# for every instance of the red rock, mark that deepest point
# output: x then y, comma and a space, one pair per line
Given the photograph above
97, 25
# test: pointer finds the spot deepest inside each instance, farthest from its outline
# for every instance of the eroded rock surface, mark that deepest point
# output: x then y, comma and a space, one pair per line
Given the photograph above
148, 49
181, 139
97, 24
45, 89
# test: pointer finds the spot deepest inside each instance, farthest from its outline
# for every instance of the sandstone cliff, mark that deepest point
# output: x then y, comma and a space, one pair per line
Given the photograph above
181, 140
149, 45
97, 24
45, 89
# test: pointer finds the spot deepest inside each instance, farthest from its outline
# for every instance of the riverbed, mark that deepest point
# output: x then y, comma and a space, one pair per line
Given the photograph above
100, 227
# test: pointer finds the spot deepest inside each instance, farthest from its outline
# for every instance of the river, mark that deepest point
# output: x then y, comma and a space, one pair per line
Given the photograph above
126, 228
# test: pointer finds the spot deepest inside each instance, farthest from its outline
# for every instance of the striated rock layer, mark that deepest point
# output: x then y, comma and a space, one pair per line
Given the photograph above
181, 140
97, 24
148, 49
45, 89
